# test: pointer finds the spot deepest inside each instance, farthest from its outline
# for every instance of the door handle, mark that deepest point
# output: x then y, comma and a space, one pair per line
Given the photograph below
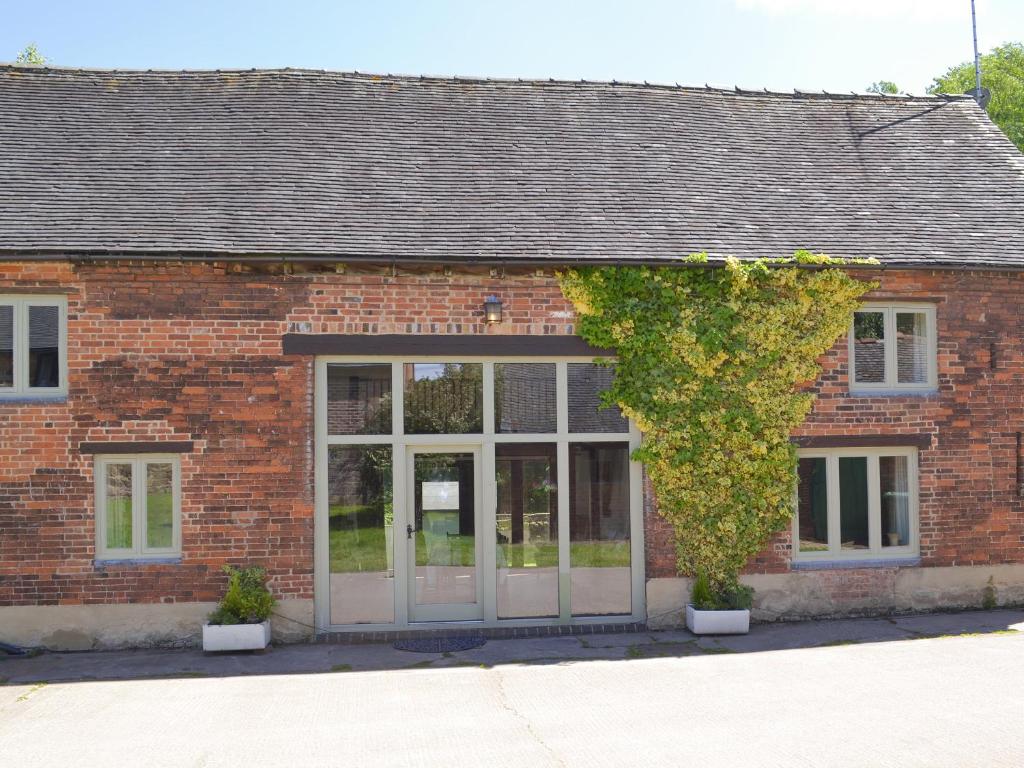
409, 531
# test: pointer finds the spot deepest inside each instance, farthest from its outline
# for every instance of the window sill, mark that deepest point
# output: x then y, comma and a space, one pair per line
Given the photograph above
875, 562
931, 392
135, 561
21, 399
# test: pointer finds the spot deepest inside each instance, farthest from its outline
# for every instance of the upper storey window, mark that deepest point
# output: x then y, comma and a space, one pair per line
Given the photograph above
892, 347
33, 346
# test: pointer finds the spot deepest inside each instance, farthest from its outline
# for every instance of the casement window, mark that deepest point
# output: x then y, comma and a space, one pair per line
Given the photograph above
893, 348
138, 506
856, 503
33, 346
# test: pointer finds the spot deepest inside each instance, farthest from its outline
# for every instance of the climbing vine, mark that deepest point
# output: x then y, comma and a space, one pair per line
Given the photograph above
714, 365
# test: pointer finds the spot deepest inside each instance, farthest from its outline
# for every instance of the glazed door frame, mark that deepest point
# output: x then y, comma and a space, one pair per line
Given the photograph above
453, 611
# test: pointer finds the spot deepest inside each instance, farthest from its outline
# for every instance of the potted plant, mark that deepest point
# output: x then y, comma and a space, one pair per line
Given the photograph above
242, 620
726, 612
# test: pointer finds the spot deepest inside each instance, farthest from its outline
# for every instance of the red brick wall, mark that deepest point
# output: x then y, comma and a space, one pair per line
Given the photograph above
193, 352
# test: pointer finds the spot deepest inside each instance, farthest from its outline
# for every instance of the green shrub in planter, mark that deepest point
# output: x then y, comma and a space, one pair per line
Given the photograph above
737, 597
247, 600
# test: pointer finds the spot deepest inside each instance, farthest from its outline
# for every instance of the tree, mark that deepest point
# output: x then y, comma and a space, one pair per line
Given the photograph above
30, 57
884, 86
1002, 72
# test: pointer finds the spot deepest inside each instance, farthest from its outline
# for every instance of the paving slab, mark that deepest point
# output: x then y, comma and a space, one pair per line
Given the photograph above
325, 658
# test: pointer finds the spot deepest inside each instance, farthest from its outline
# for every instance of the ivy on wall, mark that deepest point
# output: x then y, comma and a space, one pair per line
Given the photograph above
714, 365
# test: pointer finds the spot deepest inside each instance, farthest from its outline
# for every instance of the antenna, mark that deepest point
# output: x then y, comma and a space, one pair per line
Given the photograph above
977, 58
981, 95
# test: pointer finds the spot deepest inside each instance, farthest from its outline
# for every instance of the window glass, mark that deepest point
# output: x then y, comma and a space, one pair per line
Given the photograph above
6, 345
443, 398
159, 506
600, 576
527, 518
361, 534
869, 347
894, 484
524, 398
586, 382
444, 516
812, 505
43, 346
912, 347
853, 502
118, 482
358, 399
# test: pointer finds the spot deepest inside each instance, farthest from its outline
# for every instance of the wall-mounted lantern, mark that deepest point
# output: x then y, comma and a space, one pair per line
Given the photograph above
492, 310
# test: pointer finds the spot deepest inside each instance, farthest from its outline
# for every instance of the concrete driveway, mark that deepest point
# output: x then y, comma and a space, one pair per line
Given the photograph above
930, 691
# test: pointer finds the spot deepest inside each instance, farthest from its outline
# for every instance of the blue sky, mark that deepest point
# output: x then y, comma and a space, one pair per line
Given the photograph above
836, 45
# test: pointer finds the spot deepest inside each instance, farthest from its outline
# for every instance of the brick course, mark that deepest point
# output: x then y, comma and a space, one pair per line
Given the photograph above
193, 352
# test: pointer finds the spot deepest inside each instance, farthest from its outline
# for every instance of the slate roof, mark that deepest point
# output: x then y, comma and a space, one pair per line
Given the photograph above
350, 166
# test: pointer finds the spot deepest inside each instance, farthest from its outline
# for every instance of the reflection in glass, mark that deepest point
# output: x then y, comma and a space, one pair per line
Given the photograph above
358, 399
443, 398
159, 506
6, 345
869, 347
360, 530
527, 519
524, 397
812, 505
912, 347
119, 506
599, 528
43, 345
445, 524
586, 382
853, 502
894, 483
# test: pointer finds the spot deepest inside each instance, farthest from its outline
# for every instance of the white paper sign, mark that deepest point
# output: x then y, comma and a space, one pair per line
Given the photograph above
441, 495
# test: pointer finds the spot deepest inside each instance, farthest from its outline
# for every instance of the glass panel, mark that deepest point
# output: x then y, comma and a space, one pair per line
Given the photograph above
443, 398
524, 397
869, 347
119, 506
894, 483
43, 347
599, 528
445, 522
812, 505
527, 530
586, 383
159, 506
360, 534
6, 345
853, 502
911, 347
358, 399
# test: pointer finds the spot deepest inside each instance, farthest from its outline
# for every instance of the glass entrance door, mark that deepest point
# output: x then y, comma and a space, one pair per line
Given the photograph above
443, 543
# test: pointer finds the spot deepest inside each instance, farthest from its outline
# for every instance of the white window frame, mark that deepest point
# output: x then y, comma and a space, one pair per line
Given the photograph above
138, 550
875, 550
487, 439
890, 384
20, 389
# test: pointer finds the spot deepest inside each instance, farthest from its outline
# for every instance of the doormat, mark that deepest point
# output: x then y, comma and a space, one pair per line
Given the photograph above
439, 644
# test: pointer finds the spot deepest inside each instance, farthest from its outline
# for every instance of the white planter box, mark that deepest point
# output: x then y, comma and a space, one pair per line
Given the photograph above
236, 637
717, 622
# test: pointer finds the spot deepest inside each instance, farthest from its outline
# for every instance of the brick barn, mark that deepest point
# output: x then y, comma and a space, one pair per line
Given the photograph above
242, 320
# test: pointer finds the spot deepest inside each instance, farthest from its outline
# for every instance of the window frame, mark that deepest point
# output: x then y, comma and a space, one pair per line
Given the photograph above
488, 439
889, 310
20, 389
875, 550
138, 550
